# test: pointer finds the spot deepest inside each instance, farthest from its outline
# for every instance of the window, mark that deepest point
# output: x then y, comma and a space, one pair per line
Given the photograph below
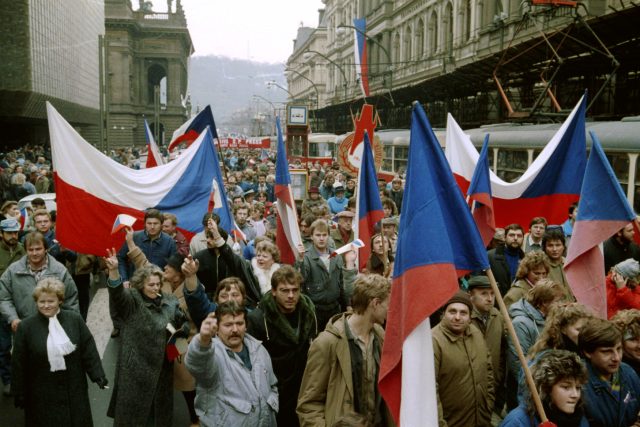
407, 43
387, 158
433, 34
400, 158
512, 164
420, 42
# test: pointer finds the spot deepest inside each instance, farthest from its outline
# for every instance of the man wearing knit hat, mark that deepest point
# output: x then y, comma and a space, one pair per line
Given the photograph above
621, 284
464, 375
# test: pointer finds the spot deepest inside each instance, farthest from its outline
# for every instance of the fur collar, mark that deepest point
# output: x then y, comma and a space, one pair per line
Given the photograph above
263, 276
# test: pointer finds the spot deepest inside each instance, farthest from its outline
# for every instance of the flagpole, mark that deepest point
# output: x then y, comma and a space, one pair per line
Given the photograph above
516, 343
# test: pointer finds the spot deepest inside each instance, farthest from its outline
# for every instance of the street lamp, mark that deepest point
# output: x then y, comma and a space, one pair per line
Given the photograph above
272, 83
306, 55
315, 117
274, 111
341, 28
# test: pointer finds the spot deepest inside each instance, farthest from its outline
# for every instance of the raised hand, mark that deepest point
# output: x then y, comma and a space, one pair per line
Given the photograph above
190, 266
208, 329
111, 260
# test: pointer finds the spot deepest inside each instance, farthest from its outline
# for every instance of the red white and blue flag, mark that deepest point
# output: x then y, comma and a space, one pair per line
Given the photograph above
603, 211
287, 233
368, 205
360, 50
437, 242
547, 188
92, 189
24, 218
192, 128
154, 158
480, 196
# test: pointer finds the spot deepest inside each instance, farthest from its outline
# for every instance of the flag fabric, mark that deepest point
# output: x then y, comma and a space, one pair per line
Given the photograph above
547, 188
437, 242
479, 193
287, 231
192, 128
24, 218
264, 155
360, 50
154, 158
122, 221
603, 211
92, 189
368, 205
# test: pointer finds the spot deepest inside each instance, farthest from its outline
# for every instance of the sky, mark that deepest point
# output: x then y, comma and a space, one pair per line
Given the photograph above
256, 30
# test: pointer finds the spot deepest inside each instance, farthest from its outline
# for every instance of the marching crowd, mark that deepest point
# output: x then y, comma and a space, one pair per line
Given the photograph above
252, 341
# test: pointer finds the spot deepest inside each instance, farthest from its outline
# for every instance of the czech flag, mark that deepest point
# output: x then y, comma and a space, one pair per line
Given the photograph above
92, 189
360, 50
437, 242
287, 231
603, 211
368, 205
550, 185
480, 195
192, 128
24, 218
154, 158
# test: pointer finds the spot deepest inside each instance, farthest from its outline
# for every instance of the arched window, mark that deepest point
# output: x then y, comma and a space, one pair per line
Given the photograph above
420, 42
448, 29
156, 76
467, 20
433, 33
408, 35
396, 48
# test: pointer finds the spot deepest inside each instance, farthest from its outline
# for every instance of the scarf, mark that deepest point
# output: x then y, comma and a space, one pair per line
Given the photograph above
563, 419
263, 276
58, 344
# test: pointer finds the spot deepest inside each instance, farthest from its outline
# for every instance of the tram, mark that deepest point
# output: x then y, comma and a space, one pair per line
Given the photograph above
515, 146
321, 147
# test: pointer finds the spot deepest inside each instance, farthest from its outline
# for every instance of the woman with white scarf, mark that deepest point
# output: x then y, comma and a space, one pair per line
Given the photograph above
53, 353
265, 263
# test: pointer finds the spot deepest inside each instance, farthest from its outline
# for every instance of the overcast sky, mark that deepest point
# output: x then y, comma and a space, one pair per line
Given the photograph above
257, 30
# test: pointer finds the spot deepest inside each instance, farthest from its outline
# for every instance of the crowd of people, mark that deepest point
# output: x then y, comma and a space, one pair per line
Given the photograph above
252, 341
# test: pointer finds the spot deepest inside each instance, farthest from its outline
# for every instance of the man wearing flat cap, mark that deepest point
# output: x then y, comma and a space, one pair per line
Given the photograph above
343, 234
464, 375
490, 322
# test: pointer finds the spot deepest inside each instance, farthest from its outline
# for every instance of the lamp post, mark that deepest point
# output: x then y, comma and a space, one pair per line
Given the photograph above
384, 49
344, 76
273, 127
273, 83
315, 117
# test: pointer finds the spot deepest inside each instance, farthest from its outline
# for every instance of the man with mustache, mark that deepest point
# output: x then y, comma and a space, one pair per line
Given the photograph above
612, 394
10, 251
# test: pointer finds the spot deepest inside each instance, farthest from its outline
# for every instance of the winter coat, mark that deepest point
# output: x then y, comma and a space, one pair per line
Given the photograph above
329, 290
182, 379
603, 408
326, 392
10, 255
520, 418
495, 336
143, 388
309, 205
517, 291
500, 267
528, 323
17, 285
620, 299
58, 398
556, 273
157, 252
229, 394
464, 378
615, 252
337, 238
288, 348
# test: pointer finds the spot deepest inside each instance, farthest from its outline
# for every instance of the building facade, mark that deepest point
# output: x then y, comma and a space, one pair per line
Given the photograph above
49, 52
482, 60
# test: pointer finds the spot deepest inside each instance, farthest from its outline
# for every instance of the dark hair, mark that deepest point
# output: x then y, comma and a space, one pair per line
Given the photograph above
226, 284
38, 201
573, 207
35, 237
208, 216
553, 234
513, 227
598, 333
230, 308
538, 220
153, 214
309, 219
285, 274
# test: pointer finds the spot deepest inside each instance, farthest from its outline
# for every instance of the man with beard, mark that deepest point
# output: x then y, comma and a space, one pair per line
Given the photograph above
619, 247
463, 370
285, 322
10, 251
341, 375
612, 394
504, 260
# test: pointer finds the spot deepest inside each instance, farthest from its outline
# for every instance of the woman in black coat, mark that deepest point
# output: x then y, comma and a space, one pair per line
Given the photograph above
143, 389
50, 382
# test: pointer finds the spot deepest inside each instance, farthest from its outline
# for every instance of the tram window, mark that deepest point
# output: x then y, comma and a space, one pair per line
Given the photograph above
400, 158
387, 158
620, 164
296, 146
313, 149
512, 164
536, 153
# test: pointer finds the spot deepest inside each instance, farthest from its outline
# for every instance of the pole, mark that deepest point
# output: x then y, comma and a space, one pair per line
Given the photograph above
101, 86
516, 343
344, 76
107, 88
156, 113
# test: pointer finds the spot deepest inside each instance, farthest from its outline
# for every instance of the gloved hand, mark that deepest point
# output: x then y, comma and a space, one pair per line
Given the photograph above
18, 401
102, 382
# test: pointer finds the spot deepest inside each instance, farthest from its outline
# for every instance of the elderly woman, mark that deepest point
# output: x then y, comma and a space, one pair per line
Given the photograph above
143, 391
628, 321
52, 355
559, 376
381, 260
265, 263
622, 287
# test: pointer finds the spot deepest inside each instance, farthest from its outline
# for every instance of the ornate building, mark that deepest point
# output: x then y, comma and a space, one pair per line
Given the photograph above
147, 58
482, 60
